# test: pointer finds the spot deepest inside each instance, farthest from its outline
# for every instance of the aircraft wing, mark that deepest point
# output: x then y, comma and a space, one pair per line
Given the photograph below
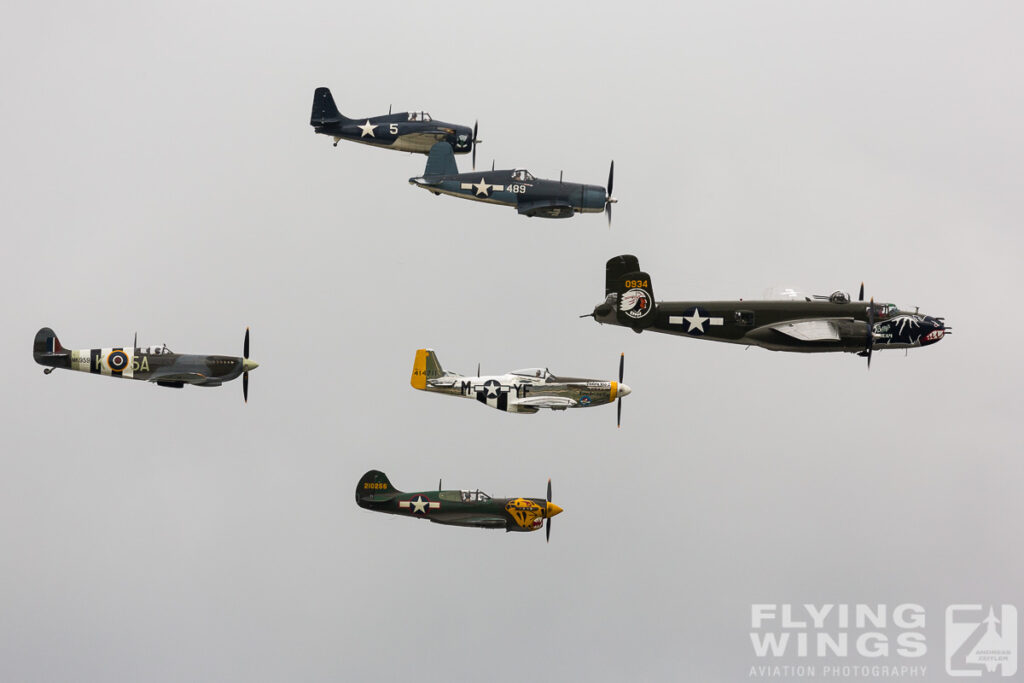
483, 521
553, 402
548, 208
818, 329
170, 375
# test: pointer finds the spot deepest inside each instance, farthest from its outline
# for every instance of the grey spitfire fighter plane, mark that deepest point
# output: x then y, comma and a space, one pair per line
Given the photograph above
412, 131
153, 363
806, 324
517, 188
519, 391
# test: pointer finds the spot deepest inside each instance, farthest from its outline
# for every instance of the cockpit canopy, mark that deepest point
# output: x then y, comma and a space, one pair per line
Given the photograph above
419, 116
155, 350
541, 373
522, 175
477, 496
883, 311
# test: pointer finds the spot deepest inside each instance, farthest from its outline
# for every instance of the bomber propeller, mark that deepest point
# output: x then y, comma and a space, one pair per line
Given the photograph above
246, 365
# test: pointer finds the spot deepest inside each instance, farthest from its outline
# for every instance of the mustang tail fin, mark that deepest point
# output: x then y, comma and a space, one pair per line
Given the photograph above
324, 109
373, 484
46, 349
441, 161
635, 305
426, 366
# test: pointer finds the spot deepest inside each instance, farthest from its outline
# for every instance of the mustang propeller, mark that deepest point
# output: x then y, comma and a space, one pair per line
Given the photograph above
550, 512
623, 390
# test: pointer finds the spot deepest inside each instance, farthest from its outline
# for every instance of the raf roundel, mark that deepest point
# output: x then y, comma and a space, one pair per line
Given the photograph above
117, 360
636, 303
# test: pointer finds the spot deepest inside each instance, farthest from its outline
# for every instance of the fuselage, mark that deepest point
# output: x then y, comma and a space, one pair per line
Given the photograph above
523, 393
406, 132
462, 508
518, 188
148, 363
788, 325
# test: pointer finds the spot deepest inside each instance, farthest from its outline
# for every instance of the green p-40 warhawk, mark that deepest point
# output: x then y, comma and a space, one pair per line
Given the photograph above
412, 131
151, 364
456, 508
807, 324
519, 391
517, 188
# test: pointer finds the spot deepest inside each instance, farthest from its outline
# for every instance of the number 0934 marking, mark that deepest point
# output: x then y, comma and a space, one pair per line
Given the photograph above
635, 283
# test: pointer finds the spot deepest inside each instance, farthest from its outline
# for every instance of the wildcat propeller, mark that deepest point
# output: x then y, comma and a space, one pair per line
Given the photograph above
152, 363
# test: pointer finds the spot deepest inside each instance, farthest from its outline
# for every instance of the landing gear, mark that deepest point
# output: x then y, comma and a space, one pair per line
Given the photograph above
336, 141
47, 371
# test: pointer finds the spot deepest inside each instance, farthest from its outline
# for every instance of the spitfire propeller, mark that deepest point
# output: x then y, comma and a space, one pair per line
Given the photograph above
246, 365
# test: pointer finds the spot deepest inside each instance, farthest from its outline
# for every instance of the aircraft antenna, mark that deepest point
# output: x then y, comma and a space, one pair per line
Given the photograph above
389, 110
478, 370
439, 485
492, 164
560, 177
135, 344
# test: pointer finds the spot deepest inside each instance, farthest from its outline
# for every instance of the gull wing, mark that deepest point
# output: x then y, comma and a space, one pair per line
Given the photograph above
818, 329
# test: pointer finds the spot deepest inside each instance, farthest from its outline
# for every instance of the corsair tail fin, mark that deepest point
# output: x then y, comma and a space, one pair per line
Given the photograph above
441, 161
425, 367
46, 349
634, 306
373, 484
324, 110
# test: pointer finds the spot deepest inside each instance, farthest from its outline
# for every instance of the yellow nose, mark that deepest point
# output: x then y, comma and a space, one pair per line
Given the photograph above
553, 510
248, 365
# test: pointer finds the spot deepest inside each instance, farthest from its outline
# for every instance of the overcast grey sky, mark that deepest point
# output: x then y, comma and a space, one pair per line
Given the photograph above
160, 176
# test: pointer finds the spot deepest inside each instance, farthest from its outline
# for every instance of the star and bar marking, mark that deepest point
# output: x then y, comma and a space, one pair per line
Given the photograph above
482, 188
696, 319
420, 505
367, 129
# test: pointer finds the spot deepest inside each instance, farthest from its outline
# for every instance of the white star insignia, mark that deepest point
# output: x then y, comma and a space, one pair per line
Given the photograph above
482, 187
419, 505
367, 129
696, 321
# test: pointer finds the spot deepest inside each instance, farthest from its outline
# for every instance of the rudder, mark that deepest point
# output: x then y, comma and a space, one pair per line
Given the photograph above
635, 301
373, 483
324, 109
441, 161
46, 347
425, 366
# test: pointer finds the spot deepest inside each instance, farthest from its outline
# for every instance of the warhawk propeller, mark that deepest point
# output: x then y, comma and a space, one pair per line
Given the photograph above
519, 391
456, 508
809, 324
517, 188
152, 363
411, 131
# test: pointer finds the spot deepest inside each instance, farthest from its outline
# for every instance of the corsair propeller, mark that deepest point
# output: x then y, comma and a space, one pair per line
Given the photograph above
609, 200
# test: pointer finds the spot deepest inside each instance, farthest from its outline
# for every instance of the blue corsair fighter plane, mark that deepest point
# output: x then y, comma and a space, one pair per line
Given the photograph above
413, 131
517, 188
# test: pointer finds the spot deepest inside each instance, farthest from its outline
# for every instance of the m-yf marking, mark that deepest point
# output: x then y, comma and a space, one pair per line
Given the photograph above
471, 508
519, 391
805, 324
156, 364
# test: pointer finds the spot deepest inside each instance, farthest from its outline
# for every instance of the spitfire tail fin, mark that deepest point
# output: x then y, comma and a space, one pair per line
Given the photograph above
424, 367
324, 109
441, 161
374, 483
635, 302
46, 349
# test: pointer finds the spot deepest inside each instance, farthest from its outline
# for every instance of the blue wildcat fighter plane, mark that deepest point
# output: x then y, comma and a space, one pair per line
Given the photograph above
413, 131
